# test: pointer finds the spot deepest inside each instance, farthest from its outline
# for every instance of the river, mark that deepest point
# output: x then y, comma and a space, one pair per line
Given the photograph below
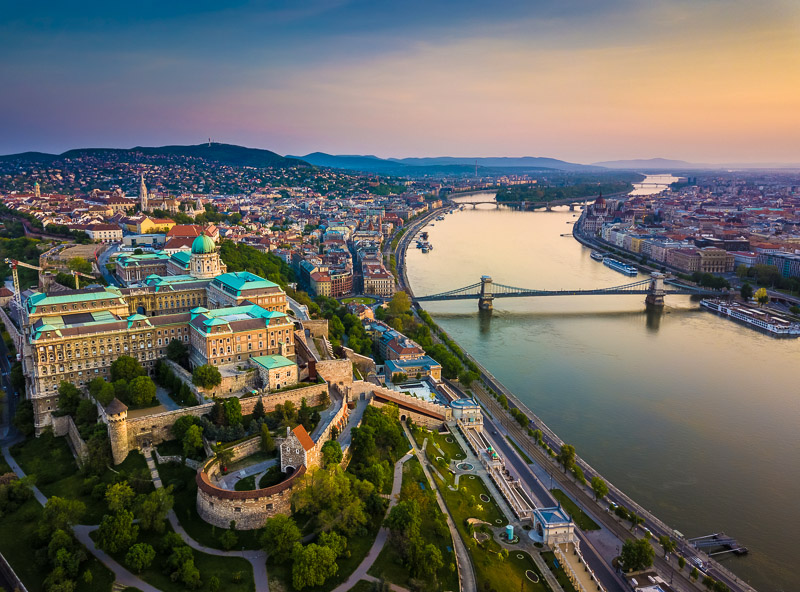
694, 416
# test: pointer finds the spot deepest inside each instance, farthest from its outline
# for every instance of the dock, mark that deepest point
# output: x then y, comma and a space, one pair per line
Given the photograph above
719, 539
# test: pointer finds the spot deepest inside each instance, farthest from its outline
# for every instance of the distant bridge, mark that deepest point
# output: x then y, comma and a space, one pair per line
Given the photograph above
654, 288
529, 205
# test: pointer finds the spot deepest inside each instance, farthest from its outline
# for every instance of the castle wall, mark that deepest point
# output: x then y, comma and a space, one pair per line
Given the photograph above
317, 327
65, 426
338, 372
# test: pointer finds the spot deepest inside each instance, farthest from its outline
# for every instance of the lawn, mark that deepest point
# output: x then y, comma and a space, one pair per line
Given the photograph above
562, 577
47, 457
182, 479
581, 519
475, 488
209, 565
246, 484
360, 300
19, 543
451, 448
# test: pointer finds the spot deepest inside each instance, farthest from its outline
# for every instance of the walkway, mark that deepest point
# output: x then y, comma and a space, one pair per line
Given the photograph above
258, 559
121, 574
463, 560
163, 397
353, 421
360, 572
258, 469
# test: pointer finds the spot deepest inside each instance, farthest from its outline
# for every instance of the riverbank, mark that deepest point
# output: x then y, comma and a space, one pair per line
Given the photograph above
465, 252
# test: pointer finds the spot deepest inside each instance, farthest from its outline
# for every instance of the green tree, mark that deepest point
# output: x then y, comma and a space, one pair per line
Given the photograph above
599, 487
566, 456
400, 304
126, 368
69, 397
60, 514
119, 496
206, 376
228, 539
117, 532
142, 391
637, 554
331, 453
86, 414
312, 565
23, 418
182, 424
233, 411
177, 351
746, 291
279, 536
681, 562
139, 557
192, 440
761, 296
667, 544
334, 541
80, 265
267, 443
17, 377
153, 508
741, 270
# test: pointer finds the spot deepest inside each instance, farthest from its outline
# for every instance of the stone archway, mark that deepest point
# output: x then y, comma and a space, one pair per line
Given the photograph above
403, 417
289, 470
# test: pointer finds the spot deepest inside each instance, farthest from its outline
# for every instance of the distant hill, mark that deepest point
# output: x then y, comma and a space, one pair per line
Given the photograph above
637, 164
226, 154
420, 166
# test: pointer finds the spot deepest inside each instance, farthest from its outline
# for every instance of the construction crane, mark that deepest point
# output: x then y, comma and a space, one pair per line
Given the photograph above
78, 273
13, 264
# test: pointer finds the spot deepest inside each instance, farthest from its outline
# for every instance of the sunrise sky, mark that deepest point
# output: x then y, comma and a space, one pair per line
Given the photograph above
581, 80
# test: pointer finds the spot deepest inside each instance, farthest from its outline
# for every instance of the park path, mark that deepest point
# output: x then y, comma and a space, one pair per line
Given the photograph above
360, 572
121, 574
465, 570
258, 559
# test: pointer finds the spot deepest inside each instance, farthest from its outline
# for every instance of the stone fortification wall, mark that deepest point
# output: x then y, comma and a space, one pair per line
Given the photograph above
186, 377
249, 509
339, 421
236, 383
245, 448
430, 415
132, 434
317, 327
339, 372
10, 575
65, 426
16, 336
364, 364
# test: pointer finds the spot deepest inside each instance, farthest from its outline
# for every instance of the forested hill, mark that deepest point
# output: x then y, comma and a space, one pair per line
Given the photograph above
239, 257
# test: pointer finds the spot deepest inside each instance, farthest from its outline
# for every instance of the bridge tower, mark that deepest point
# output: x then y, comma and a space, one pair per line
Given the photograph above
655, 295
485, 301
572, 207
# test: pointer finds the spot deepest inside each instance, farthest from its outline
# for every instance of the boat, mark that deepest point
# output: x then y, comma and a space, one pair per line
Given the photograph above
754, 317
620, 266
424, 235
424, 249
596, 256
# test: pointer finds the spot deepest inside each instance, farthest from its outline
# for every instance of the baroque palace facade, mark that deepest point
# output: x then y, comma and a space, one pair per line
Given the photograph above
223, 318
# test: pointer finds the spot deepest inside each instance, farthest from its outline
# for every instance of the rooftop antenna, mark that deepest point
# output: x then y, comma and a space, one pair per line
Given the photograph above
476, 168
209, 142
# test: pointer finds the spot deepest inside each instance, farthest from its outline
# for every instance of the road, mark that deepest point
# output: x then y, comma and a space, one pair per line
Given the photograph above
102, 260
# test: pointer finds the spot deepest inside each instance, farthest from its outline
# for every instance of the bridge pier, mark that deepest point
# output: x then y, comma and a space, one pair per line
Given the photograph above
572, 207
548, 207
486, 297
655, 293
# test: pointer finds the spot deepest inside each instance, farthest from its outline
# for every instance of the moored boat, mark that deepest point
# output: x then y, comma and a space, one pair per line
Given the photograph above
754, 317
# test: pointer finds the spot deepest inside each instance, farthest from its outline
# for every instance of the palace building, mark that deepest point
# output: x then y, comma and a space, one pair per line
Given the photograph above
223, 318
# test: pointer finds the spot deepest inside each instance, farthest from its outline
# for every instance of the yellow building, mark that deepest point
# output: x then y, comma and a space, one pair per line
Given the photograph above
154, 225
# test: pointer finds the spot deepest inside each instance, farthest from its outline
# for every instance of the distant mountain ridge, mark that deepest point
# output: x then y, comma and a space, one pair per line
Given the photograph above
227, 154
649, 163
369, 163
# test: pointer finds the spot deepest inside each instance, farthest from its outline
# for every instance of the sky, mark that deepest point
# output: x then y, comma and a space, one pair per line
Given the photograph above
581, 80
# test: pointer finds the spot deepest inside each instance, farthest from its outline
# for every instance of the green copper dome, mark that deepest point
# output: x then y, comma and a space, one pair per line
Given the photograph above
203, 245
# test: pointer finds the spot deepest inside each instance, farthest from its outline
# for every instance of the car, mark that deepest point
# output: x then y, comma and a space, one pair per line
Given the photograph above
494, 432
612, 506
647, 531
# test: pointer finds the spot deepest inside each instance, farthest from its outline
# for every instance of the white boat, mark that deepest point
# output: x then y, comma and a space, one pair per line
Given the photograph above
596, 256
753, 317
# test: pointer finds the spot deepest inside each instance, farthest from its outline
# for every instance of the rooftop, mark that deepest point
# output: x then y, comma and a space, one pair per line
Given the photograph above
236, 281
272, 362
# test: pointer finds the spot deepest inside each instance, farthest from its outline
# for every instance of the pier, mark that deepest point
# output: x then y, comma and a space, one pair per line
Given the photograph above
718, 539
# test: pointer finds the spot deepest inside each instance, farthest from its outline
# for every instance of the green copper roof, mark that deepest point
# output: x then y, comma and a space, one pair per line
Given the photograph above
272, 362
236, 281
144, 258
181, 257
41, 299
203, 245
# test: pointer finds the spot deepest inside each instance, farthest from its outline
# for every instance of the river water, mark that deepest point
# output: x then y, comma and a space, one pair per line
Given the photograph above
694, 416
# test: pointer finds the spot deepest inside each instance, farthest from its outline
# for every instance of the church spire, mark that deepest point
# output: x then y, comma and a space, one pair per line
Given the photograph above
37, 191
143, 194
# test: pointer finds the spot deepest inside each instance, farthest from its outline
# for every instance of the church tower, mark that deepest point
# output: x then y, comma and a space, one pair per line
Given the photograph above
37, 191
143, 194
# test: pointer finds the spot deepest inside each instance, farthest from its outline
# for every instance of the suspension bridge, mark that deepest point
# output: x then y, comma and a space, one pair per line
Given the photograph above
654, 288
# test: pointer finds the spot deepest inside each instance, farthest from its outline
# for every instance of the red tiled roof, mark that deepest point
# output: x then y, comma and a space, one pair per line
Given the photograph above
304, 438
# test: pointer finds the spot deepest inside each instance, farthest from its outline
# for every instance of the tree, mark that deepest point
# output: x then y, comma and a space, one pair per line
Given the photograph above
599, 487
667, 544
69, 397
637, 554
279, 536
741, 270
119, 496
228, 539
140, 556
566, 456
206, 376
142, 391
313, 564
181, 425
60, 514
336, 542
681, 562
258, 410
86, 414
267, 443
761, 296
192, 440
331, 453
304, 415
23, 418
153, 508
746, 291
177, 351
233, 411
17, 377
399, 304
333, 499
126, 368
80, 265
117, 532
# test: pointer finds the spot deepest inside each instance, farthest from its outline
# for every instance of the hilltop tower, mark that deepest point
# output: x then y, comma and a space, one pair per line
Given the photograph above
204, 260
143, 194
117, 415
